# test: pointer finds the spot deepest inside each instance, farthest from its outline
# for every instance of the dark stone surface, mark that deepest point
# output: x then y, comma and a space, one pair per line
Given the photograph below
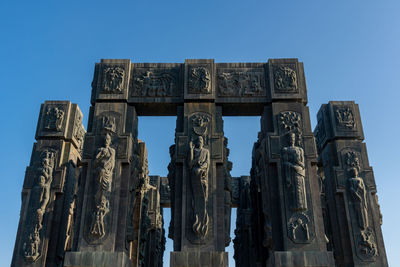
92, 199
353, 214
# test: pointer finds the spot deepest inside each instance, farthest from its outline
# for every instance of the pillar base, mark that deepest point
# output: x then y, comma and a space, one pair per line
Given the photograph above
97, 259
301, 259
198, 259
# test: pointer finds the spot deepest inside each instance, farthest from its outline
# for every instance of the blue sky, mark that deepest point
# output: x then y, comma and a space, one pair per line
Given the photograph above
350, 51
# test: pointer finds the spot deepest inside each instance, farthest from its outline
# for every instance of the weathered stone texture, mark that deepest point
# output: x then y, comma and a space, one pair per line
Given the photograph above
88, 198
351, 195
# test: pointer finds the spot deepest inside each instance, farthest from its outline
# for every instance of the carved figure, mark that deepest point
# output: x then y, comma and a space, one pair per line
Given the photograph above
113, 80
293, 160
104, 163
40, 200
285, 79
359, 195
108, 124
345, 117
154, 84
366, 246
199, 163
53, 119
240, 83
199, 81
31, 248
79, 131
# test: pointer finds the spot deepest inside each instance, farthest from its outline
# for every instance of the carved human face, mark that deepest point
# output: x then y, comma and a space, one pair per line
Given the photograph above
292, 139
199, 142
353, 172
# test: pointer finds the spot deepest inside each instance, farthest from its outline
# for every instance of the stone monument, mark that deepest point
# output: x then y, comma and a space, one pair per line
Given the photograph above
309, 199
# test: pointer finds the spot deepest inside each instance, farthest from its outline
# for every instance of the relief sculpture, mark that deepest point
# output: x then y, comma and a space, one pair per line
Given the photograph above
152, 83
293, 161
39, 202
104, 164
113, 80
285, 79
345, 117
366, 246
199, 163
53, 119
240, 83
199, 81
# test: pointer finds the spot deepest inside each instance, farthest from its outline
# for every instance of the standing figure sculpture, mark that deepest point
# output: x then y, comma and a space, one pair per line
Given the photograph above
42, 193
359, 195
104, 164
199, 161
293, 157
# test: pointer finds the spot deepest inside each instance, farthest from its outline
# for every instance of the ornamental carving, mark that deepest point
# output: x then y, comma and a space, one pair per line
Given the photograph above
345, 117
290, 121
53, 119
108, 124
285, 80
39, 201
299, 230
199, 81
78, 132
104, 166
295, 173
113, 80
366, 245
199, 164
155, 83
200, 123
240, 83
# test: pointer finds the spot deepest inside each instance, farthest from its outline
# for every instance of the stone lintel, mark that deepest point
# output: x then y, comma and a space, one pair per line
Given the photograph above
199, 259
97, 259
301, 259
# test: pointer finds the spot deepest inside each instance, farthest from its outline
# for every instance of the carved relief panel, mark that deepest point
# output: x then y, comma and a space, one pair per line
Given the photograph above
357, 186
240, 82
198, 164
111, 80
286, 79
199, 79
43, 173
295, 178
155, 81
53, 120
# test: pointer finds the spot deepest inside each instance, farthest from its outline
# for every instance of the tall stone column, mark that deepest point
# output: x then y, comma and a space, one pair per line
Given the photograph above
354, 215
48, 195
199, 189
102, 218
285, 174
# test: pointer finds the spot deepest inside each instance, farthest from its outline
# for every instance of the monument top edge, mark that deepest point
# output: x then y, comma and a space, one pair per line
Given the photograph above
201, 60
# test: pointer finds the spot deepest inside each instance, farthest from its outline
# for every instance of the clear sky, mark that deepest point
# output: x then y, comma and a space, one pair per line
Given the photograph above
350, 51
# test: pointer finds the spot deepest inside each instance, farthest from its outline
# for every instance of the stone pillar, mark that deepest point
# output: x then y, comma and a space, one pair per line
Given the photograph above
244, 244
102, 219
48, 195
285, 174
354, 215
199, 195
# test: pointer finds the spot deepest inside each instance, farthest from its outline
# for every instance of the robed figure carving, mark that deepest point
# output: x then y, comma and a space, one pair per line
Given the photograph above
104, 163
199, 163
359, 195
293, 160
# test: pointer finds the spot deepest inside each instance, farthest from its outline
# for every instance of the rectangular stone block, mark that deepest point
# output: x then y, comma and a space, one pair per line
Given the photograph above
301, 259
97, 259
198, 259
